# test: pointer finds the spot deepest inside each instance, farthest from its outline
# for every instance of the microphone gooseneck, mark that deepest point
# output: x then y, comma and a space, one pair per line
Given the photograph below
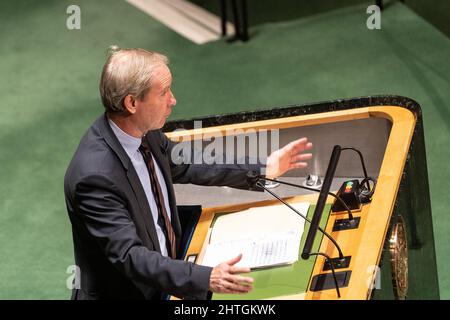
341, 255
350, 215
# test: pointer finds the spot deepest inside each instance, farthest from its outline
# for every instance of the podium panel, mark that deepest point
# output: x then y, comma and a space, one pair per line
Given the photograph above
391, 252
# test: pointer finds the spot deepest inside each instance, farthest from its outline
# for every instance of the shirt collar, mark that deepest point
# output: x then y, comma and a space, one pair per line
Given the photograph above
129, 143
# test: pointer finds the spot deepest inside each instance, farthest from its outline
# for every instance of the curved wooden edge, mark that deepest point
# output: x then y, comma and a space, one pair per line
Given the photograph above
387, 112
366, 246
288, 122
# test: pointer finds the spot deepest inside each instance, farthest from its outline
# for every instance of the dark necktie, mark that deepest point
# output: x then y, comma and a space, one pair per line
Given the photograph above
163, 218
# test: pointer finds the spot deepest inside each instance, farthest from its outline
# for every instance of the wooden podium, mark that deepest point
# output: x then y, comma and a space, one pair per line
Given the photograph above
392, 250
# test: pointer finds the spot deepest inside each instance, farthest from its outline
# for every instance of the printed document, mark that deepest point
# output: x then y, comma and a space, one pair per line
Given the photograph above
266, 236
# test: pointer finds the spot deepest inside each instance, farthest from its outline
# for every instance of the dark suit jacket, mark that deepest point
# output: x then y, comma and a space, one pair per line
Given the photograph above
115, 242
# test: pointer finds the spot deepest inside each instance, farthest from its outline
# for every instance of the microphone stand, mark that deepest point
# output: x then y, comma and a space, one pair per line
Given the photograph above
350, 215
341, 255
255, 179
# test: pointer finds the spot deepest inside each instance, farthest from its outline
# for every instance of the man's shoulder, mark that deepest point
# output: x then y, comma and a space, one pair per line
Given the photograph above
93, 156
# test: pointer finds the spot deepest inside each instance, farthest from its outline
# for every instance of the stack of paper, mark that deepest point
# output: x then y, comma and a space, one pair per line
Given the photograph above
266, 236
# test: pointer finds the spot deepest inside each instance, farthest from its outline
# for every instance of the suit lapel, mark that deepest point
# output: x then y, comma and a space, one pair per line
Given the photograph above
145, 213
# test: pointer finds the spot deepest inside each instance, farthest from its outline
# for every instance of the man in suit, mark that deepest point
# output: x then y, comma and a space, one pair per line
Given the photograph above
120, 198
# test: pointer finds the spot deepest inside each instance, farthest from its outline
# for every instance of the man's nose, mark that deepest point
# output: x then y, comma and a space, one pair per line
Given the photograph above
172, 100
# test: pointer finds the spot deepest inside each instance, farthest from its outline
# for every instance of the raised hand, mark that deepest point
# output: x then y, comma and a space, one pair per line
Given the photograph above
289, 157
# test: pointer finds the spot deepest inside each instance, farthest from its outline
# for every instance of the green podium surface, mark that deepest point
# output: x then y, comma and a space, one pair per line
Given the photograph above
284, 280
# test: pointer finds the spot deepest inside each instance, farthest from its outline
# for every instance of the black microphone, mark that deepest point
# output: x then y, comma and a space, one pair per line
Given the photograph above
334, 159
254, 179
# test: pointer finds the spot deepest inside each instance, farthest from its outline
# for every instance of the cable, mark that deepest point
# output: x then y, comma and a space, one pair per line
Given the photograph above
341, 255
366, 176
332, 269
350, 215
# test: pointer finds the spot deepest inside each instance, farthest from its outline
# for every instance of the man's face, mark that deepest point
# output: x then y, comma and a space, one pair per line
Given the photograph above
153, 110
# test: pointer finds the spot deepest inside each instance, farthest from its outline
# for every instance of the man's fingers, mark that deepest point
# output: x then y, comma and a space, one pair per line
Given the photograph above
231, 286
235, 260
292, 146
245, 281
227, 281
300, 141
239, 270
299, 165
238, 288
300, 147
301, 157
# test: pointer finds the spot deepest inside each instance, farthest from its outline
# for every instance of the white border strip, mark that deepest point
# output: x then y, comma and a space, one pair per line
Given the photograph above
185, 18
202, 16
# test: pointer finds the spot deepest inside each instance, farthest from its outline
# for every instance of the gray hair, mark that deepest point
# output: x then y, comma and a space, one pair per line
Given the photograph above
127, 71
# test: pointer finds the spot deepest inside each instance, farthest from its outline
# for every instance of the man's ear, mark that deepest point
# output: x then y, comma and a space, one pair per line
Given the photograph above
130, 103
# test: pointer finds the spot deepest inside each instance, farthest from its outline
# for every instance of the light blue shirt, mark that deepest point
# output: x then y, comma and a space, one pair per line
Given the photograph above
131, 147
